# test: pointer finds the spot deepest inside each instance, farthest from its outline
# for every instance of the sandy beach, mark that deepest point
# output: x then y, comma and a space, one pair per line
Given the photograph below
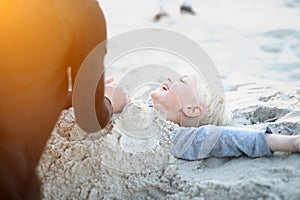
256, 49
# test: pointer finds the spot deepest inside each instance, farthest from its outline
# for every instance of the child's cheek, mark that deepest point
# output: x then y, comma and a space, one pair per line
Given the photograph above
172, 100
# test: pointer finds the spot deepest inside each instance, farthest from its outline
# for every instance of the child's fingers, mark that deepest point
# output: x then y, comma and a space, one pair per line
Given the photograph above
109, 80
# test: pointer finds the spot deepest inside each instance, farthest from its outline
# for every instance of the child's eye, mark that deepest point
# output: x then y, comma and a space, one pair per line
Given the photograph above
182, 80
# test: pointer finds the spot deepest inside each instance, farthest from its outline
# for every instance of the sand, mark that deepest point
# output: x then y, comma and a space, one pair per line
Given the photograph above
255, 46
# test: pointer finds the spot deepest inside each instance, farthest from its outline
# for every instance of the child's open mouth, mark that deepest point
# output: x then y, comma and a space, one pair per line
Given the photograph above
165, 87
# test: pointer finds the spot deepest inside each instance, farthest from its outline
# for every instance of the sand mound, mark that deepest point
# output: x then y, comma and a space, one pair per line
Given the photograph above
117, 162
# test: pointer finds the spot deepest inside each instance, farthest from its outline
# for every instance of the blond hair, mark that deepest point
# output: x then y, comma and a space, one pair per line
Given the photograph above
213, 105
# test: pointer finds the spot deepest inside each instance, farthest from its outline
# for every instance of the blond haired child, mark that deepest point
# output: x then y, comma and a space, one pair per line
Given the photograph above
202, 116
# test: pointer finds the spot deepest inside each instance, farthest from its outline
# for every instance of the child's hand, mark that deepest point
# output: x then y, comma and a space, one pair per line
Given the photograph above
109, 80
116, 94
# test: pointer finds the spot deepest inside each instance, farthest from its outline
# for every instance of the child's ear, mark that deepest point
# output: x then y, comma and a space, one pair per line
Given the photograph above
192, 111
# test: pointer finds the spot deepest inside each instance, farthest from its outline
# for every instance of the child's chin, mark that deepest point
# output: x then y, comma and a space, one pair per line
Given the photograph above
157, 97
153, 94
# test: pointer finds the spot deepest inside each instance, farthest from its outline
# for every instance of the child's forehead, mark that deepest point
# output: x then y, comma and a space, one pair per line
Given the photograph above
184, 75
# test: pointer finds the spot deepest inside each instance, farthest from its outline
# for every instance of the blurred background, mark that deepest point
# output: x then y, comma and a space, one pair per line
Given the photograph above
249, 41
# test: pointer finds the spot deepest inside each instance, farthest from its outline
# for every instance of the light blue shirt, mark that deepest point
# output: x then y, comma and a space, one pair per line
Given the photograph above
212, 141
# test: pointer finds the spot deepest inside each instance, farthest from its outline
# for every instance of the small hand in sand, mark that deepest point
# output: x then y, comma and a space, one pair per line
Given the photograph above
116, 94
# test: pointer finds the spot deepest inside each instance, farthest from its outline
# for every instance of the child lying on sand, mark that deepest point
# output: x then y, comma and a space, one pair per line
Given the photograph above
202, 117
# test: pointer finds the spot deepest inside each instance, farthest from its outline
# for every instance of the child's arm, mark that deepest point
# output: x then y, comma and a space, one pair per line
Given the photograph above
212, 141
288, 143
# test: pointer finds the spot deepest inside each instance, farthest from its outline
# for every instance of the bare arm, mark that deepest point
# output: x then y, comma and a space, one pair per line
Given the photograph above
93, 32
287, 143
104, 109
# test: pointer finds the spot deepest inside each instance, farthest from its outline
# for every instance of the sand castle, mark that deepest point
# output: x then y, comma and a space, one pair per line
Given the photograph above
137, 142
